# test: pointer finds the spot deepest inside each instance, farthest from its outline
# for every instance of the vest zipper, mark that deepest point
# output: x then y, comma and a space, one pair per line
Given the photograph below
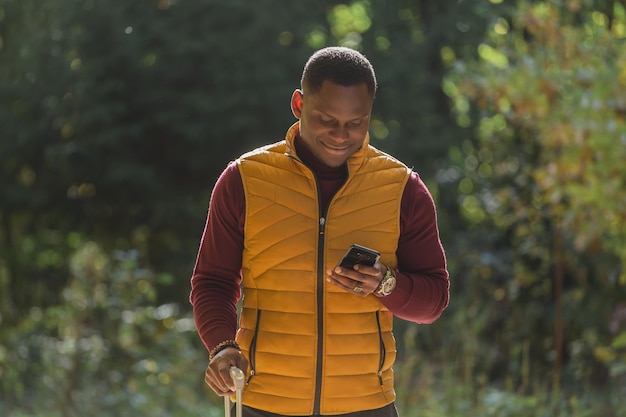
320, 291
383, 350
253, 346
320, 312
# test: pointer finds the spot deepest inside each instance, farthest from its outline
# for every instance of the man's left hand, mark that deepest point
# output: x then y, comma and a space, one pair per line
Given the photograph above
362, 280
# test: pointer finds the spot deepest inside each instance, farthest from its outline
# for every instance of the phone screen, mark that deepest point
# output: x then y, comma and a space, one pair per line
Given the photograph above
358, 254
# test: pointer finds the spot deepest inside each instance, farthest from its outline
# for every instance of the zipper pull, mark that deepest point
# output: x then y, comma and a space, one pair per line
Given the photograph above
322, 225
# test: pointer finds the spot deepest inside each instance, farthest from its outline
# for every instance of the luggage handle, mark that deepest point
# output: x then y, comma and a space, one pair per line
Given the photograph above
238, 378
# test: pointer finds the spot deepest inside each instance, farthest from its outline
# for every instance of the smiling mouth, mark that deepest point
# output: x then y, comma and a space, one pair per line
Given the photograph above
336, 149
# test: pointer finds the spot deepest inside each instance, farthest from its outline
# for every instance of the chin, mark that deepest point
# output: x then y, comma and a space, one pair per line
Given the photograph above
334, 163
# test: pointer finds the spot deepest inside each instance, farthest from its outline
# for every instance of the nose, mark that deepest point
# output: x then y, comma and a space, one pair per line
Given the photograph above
340, 133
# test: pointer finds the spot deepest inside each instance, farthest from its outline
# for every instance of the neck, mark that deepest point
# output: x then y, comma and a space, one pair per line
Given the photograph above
329, 179
320, 169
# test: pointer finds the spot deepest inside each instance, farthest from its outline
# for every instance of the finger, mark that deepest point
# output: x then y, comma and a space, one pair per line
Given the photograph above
242, 363
371, 271
216, 382
359, 289
356, 287
360, 273
227, 379
338, 277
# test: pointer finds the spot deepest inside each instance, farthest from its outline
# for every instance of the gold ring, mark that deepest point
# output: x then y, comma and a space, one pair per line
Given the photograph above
358, 287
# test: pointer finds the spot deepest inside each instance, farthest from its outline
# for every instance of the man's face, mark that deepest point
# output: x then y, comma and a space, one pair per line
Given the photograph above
334, 120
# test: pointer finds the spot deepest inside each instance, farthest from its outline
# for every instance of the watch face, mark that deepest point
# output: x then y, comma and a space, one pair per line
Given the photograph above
388, 286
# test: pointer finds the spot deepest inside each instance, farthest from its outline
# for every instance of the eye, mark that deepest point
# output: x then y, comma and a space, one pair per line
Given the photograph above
355, 123
327, 121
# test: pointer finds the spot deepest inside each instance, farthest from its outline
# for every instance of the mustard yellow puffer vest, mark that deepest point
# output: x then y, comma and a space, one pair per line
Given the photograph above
313, 348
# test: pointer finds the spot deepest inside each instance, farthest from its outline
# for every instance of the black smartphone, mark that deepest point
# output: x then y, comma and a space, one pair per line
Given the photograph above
358, 254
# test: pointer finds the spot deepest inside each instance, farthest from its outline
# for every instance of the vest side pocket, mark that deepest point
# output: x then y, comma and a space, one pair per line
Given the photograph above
252, 357
383, 350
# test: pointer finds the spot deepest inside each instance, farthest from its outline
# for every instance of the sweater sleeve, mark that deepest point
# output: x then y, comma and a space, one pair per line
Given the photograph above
422, 288
216, 276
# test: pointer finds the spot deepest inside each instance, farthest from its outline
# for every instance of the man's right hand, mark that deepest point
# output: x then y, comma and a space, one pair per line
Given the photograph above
217, 374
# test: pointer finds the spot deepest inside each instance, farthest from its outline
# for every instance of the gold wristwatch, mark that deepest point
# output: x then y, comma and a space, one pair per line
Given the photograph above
386, 285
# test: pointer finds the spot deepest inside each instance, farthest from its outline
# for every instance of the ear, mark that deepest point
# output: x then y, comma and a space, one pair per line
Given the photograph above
296, 103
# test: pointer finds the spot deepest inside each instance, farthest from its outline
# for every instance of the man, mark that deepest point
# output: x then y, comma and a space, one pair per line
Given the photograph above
314, 338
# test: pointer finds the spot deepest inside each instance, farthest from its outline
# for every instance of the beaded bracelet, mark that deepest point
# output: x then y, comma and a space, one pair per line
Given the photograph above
223, 345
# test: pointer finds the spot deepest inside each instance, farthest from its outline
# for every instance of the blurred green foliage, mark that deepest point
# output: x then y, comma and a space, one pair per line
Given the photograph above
547, 171
106, 349
117, 117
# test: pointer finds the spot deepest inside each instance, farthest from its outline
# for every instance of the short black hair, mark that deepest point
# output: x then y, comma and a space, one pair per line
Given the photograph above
339, 65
